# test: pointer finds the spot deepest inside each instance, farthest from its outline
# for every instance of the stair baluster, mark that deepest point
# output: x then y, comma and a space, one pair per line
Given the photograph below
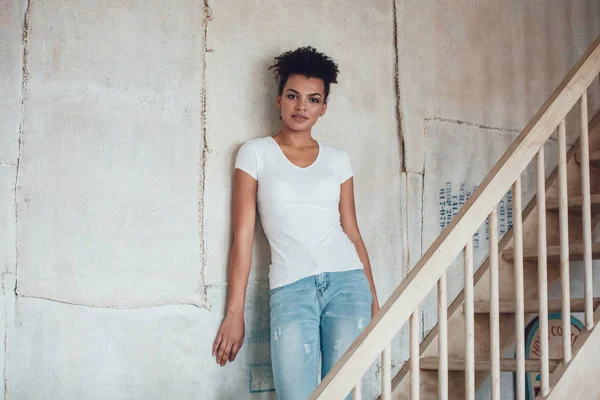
469, 324
415, 341
542, 272
443, 337
494, 305
563, 211
586, 213
519, 289
386, 373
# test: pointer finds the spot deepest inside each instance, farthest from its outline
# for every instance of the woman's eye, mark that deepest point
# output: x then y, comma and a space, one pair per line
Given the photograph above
291, 96
314, 100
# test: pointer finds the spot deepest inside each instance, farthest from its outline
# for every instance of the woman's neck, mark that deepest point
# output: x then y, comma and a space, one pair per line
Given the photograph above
294, 139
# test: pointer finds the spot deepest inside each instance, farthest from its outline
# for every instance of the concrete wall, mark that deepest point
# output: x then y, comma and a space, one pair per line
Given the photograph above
118, 131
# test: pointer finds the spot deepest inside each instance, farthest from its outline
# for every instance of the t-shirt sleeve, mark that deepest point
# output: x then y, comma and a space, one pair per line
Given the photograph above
346, 168
247, 160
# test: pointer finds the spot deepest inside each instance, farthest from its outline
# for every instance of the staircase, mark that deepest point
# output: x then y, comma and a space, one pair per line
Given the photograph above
489, 316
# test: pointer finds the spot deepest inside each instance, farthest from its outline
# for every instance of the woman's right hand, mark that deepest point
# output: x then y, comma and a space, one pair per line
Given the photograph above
229, 338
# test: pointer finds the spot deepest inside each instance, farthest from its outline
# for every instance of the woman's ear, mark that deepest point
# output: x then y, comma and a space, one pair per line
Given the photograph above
324, 109
278, 102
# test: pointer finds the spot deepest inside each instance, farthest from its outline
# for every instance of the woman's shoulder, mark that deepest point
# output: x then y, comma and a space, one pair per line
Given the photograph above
334, 151
257, 143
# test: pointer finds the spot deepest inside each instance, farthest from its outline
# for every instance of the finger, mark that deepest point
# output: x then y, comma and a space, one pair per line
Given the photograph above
221, 351
234, 350
226, 353
217, 343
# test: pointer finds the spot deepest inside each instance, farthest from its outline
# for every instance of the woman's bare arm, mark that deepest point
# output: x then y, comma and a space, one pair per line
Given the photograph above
231, 333
350, 226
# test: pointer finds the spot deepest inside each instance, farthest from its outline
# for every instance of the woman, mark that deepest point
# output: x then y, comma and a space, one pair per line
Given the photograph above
322, 290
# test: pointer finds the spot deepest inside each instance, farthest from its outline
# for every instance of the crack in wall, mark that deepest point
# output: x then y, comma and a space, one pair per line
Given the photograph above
397, 88
24, 83
204, 162
552, 137
21, 123
468, 123
109, 306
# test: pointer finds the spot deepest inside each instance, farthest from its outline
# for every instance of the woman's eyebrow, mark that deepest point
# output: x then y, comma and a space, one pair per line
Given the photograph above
297, 92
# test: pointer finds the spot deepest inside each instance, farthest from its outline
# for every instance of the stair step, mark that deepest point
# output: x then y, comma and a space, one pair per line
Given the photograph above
594, 158
553, 252
532, 306
575, 204
482, 364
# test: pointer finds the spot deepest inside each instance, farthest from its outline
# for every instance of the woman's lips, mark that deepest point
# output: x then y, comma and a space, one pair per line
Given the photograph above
299, 117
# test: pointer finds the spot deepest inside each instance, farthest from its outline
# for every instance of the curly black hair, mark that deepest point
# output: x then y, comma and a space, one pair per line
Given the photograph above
305, 61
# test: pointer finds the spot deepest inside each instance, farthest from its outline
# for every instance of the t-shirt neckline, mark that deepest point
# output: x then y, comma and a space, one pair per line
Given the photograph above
290, 162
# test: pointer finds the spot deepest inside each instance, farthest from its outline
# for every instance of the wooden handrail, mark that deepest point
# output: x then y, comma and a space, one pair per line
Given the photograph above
425, 274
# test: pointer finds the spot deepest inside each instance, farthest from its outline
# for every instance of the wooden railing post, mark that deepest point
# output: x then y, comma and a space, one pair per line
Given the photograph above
519, 289
563, 210
386, 373
469, 324
542, 272
415, 340
443, 338
494, 305
586, 213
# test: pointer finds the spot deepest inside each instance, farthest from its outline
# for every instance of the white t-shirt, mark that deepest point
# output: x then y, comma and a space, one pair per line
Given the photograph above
299, 210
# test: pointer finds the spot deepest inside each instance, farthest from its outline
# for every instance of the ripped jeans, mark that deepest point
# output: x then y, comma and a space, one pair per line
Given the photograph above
313, 322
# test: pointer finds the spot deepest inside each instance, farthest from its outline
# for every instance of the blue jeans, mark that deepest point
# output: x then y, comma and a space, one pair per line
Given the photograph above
313, 322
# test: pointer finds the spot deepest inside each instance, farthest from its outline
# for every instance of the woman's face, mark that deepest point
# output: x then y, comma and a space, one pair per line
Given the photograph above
302, 102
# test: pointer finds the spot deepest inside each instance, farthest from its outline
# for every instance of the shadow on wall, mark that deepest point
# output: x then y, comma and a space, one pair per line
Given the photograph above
257, 339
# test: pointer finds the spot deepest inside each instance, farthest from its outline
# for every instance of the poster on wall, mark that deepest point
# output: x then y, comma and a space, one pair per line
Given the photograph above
533, 347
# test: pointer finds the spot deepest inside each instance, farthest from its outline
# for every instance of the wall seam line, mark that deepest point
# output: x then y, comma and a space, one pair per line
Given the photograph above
108, 306
397, 89
204, 160
24, 83
469, 123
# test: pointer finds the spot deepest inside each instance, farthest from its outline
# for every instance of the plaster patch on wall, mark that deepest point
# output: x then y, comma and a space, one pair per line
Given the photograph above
108, 214
261, 378
459, 154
